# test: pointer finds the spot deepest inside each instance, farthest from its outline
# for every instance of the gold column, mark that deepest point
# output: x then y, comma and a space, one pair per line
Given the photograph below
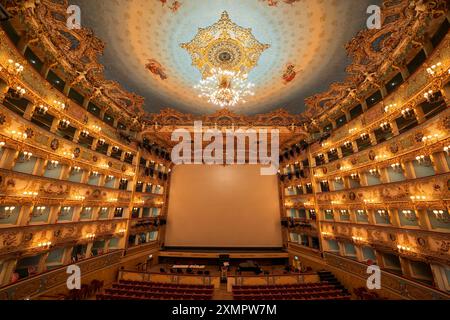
373, 138
395, 219
7, 271
29, 111
408, 168
440, 164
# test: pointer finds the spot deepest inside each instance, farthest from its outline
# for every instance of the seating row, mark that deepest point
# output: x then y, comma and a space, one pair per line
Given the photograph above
268, 288
156, 289
165, 285
291, 297
153, 296
283, 286
290, 291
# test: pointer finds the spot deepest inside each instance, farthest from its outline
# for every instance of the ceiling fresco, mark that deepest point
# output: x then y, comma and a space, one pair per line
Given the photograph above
306, 50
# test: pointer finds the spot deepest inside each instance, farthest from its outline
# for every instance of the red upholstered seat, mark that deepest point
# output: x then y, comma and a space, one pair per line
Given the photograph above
142, 290
310, 291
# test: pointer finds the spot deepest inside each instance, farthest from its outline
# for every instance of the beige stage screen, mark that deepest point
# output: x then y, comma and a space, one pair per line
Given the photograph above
223, 206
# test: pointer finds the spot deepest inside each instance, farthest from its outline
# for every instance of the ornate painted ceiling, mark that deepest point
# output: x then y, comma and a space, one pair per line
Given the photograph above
307, 41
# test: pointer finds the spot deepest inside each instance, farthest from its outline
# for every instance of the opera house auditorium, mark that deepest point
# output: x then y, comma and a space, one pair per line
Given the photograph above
224, 150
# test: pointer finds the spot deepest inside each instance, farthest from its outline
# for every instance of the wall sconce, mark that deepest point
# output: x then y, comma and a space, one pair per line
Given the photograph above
30, 194
333, 150
42, 109
420, 158
18, 135
76, 169
347, 144
374, 172
59, 105
404, 249
327, 234
90, 236
442, 216
329, 212
408, 113
435, 70
430, 137
54, 164
96, 128
344, 212
14, 68
84, 133
418, 198
381, 157
382, 213
385, 126
2, 144
423, 160
354, 176
361, 212
338, 179
79, 198
112, 200
64, 124
357, 239
7, 212
321, 156
94, 173
25, 156
64, 211
351, 130
369, 201
68, 155
101, 142
364, 136
39, 211
115, 148
122, 231
18, 92
409, 215
396, 167
390, 107
431, 96
44, 244
109, 178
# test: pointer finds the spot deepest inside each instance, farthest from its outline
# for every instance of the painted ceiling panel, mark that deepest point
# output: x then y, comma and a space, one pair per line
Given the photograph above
308, 35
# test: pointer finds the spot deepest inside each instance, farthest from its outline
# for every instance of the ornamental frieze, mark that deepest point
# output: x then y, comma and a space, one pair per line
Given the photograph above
374, 52
399, 285
56, 39
55, 278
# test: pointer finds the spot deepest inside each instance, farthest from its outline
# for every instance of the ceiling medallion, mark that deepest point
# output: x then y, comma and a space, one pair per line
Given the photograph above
225, 53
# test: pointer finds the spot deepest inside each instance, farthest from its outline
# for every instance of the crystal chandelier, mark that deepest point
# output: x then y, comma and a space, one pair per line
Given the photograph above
225, 53
225, 88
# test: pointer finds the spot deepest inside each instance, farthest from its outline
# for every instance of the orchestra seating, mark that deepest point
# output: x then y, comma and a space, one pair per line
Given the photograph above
142, 290
304, 291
